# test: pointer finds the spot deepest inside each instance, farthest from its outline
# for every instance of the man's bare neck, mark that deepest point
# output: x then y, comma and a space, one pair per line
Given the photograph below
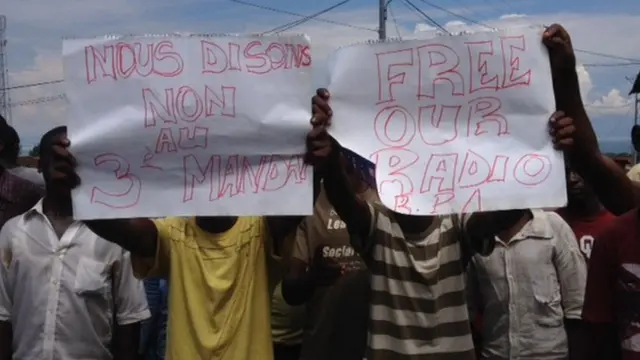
413, 224
217, 224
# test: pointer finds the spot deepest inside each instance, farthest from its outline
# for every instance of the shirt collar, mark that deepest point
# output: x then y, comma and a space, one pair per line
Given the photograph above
536, 228
36, 209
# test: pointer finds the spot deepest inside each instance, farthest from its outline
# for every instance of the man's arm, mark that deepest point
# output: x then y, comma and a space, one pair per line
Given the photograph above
131, 308
126, 340
571, 268
6, 330
609, 181
474, 303
297, 285
601, 340
138, 236
355, 212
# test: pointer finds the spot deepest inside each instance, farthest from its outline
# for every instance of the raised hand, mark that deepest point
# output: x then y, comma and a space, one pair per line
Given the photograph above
561, 54
61, 163
319, 142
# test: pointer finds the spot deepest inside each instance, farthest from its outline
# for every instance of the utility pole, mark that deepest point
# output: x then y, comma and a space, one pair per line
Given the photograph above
635, 91
636, 104
382, 20
5, 106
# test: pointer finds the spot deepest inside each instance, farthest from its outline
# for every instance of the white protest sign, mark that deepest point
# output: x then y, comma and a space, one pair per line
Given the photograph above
181, 126
453, 124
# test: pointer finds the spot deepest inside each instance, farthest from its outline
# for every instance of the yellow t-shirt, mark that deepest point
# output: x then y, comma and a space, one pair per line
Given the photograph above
218, 294
634, 173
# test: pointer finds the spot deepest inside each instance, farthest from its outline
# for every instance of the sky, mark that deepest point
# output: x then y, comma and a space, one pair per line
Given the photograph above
35, 29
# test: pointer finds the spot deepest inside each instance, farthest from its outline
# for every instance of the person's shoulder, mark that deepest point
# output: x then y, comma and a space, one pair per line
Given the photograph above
550, 224
12, 225
30, 174
553, 217
257, 225
170, 221
171, 225
21, 186
622, 227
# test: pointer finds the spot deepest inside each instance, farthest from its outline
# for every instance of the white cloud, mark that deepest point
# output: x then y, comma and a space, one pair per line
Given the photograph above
512, 16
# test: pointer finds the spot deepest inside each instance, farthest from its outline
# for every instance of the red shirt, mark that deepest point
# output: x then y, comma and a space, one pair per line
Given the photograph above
613, 285
587, 229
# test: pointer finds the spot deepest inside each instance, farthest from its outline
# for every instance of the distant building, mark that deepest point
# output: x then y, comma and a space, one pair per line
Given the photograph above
28, 161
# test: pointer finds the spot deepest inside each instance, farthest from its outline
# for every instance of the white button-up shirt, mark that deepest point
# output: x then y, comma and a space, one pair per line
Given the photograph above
525, 289
59, 294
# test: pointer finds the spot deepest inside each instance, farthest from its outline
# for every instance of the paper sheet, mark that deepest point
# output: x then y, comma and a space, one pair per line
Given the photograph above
181, 126
453, 124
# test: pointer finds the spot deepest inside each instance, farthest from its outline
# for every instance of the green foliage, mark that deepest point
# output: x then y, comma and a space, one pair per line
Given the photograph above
35, 151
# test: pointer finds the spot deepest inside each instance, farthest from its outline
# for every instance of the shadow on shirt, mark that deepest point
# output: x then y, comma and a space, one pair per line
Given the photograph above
347, 303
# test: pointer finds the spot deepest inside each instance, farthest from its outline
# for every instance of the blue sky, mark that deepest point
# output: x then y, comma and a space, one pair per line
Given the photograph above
36, 27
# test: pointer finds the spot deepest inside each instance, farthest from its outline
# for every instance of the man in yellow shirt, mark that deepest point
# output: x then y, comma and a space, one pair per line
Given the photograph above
217, 267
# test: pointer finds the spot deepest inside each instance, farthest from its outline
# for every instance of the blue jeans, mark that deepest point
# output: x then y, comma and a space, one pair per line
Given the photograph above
154, 330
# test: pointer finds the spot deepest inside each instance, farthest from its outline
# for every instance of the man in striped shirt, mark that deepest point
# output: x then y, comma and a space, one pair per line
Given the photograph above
417, 306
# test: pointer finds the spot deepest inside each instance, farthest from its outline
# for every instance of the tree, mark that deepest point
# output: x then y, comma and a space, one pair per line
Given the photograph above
35, 151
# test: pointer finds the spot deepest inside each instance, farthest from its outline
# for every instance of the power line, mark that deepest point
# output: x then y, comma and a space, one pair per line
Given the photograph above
23, 86
395, 21
595, 53
413, 7
457, 15
268, 8
291, 25
612, 64
40, 100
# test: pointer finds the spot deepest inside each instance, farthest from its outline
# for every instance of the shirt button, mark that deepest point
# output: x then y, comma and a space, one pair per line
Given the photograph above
55, 282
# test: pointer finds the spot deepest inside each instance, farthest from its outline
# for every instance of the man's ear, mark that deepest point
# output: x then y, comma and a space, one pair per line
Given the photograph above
635, 137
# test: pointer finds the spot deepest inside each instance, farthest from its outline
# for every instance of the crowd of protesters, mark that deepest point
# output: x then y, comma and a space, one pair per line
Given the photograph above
354, 281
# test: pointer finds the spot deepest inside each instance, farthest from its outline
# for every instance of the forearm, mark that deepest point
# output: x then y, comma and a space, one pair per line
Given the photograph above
614, 190
126, 340
575, 337
297, 291
138, 236
6, 340
566, 90
353, 211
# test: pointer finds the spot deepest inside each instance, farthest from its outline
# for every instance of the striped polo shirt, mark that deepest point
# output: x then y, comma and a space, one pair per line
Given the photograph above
418, 307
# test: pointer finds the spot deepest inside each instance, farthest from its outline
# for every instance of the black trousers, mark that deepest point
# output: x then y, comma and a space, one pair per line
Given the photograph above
286, 351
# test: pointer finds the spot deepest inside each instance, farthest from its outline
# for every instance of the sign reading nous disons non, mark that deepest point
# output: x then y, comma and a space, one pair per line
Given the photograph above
453, 124
189, 125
